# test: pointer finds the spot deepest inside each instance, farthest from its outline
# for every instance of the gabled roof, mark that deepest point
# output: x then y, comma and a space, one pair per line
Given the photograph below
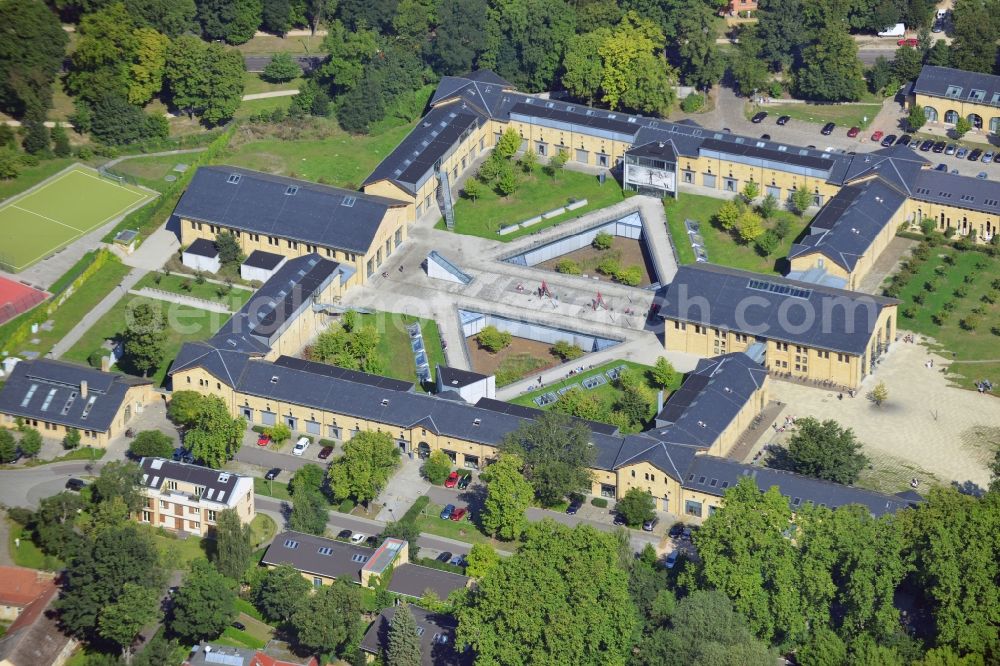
457, 378
220, 487
958, 191
957, 84
437, 637
299, 210
51, 391
34, 638
897, 166
772, 307
849, 223
318, 555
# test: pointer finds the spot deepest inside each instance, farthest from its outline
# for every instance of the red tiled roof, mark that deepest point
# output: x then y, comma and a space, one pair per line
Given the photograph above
264, 659
20, 586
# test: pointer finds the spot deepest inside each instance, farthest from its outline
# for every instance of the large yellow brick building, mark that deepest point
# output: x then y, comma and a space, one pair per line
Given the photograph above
947, 94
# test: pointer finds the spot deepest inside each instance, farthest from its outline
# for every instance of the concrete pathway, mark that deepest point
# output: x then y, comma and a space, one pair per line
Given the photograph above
99, 311
269, 95
403, 489
164, 153
181, 299
154, 251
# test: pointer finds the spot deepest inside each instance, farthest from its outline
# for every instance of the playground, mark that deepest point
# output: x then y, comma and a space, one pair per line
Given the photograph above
59, 211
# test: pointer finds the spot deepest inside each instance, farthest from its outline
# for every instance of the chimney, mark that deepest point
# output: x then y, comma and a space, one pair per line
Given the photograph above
106, 364
659, 401
83, 388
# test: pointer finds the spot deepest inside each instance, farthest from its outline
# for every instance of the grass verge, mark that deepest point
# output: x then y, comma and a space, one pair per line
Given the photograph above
844, 115
25, 553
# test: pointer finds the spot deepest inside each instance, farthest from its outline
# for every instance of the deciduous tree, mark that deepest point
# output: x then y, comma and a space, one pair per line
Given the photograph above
526, 41
664, 373
281, 593
215, 436
31, 53
831, 71
557, 455
184, 407
330, 619
133, 609
437, 467
637, 506
826, 451
460, 36
8, 446
281, 68
31, 442
204, 79
119, 478
144, 337
368, 461
204, 605
310, 512
151, 443
233, 545
508, 495
146, 71
171, 17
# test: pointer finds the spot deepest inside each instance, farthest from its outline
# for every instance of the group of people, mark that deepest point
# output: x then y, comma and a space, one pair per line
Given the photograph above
789, 422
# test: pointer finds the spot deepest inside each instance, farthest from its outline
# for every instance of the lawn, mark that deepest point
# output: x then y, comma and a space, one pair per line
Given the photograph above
88, 453
177, 553
151, 171
276, 489
535, 195
62, 210
721, 246
186, 286
845, 115
607, 393
80, 303
263, 529
184, 324
463, 530
27, 554
268, 44
252, 107
254, 83
974, 351
394, 343
316, 150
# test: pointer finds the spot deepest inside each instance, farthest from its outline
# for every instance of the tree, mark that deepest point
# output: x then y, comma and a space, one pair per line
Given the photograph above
580, 403
528, 161
635, 74
330, 619
508, 144
60, 141
460, 35
111, 120
825, 451
276, 17
8, 447
150, 57
71, 439
906, 64
962, 127
506, 180
350, 53
215, 436
281, 593
144, 338
831, 71
106, 46
184, 408
664, 373
98, 573
701, 64
152, 444
308, 478
204, 605
232, 20
528, 53
972, 47
746, 555
132, 610
584, 70
750, 226
414, 21
557, 455
879, 394
473, 189
437, 467
233, 545
802, 198
493, 339
751, 190
768, 206
230, 252
368, 461
10, 164
557, 162
405, 529
281, 68
573, 574
31, 54
204, 79
881, 75
767, 243
747, 67
54, 524
481, 559
119, 478
36, 134
403, 644
31, 442
309, 513
508, 495
170, 17
728, 215
917, 118
637, 506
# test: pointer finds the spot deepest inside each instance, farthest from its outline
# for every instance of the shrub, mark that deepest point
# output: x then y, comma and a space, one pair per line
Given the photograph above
970, 322
437, 467
940, 318
909, 311
609, 266
630, 275
767, 243
96, 358
995, 330
949, 306
930, 286
493, 339
991, 296
567, 351
72, 439
279, 432
962, 291
949, 259
600, 502
603, 241
969, 279
918, 298
693, 103
346, 506
768, 205
568, 266
727, 215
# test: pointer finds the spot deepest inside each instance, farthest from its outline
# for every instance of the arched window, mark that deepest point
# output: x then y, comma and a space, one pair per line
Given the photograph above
951, 116
976, 120
995, 125
931, 114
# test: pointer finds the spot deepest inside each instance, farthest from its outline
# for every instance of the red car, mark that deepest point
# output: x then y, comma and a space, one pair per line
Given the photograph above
909, 41
263, 440
459, 514
853, 132
452, 480
877, 135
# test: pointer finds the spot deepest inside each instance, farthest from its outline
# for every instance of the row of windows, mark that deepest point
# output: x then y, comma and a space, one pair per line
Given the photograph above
275, 241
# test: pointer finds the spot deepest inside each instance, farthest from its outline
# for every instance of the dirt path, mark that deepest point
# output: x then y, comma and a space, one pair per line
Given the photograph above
5, 558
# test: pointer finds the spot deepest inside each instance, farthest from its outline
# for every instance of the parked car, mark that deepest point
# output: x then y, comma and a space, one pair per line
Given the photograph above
961, 152
909, 41
783, 120
954, 172
325, 452
904, 140
649, 525
926, 145
877, 135
358, 537
75, 484
619, 519
676, 530
371, 541
344, 534
671, 559
301, 446
950, 149
889, 140
939, 147
464, 482
457, 561
975, 155
272, 474
853, 132
447, 511
263, 440
459, 513
981, 175
178, 454
987, 157
573, 507
444, 557
452, 480
828, 129
941, 167
239, 626
758, 117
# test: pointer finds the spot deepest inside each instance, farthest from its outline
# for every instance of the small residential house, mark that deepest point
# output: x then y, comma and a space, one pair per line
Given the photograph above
437, 638
33, 637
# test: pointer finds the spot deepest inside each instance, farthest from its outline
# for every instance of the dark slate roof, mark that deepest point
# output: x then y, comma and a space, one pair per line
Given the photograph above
709, 399
935, 81
224, 364
343, 373
663, 150
816, 316
533, 413
712, 475
264, 260
302, 551
202, 247
488, 76
434, 651
850, 222
959, 191
414, 580
219, 485
458, 378
648, 447
49, 390
767, 151
897, 166
258, 203
275, 305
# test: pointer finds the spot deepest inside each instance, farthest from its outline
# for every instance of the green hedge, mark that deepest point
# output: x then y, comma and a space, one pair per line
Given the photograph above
600, 502
416, 509
434, 564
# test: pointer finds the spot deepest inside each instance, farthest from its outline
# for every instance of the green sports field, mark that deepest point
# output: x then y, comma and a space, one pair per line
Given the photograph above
59, 211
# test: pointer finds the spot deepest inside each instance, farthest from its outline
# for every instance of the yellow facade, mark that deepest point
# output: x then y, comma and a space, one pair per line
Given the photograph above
136, 399
947, 111
964, 221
